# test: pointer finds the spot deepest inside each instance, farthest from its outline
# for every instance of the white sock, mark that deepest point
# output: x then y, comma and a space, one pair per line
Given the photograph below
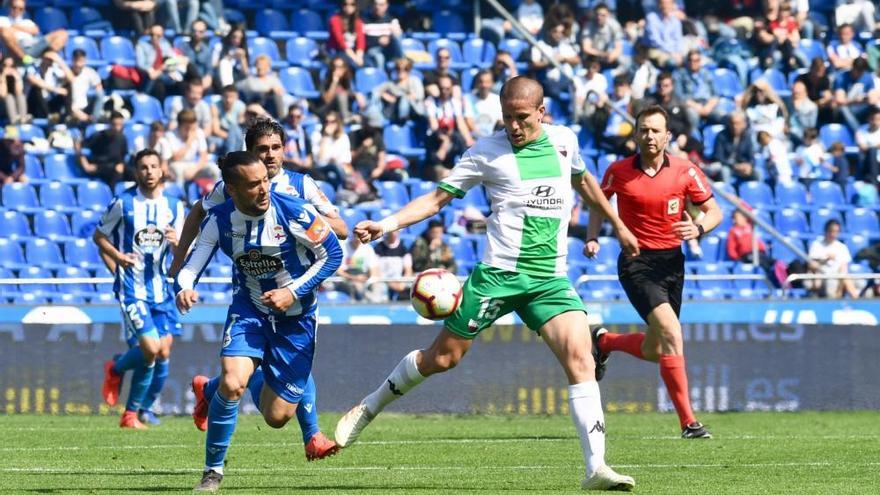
404, 377
585, 404
218, 470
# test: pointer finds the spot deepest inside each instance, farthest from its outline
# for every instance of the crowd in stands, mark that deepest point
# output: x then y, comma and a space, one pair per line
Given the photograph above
775, 100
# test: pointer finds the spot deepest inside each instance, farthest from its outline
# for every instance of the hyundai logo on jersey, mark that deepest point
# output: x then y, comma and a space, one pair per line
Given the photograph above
543, 191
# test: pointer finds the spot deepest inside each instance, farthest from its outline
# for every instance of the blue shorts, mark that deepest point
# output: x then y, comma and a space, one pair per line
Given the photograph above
285, 346
143, 319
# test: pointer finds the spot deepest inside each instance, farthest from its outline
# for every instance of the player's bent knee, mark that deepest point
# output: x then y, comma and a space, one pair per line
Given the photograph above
276, 421
232, 388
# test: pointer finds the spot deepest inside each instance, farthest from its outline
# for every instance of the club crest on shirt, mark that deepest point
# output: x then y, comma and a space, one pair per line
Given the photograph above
278, 234
290, 191
673, 206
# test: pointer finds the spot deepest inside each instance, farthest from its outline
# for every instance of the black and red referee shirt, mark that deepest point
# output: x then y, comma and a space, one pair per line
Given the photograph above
649, 205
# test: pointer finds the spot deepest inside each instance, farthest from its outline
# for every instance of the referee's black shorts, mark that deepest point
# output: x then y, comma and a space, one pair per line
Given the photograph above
654, 277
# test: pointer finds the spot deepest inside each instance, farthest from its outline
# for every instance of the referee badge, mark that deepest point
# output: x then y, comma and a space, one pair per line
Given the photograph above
673, 206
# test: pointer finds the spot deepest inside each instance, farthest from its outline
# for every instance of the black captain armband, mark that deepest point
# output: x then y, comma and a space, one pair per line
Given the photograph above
701, 231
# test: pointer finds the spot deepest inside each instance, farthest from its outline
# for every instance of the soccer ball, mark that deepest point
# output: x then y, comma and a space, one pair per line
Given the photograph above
436, 294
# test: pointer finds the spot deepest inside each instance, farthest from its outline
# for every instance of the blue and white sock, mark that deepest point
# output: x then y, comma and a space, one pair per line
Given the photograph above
160, 374
307, 411
211, 388
140, 382
222, 415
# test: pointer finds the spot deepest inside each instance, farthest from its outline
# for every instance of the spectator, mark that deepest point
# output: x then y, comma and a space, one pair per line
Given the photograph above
109, 149
858, 13
189, 146
347, 39
603, 38
232, 62
735, 152
854, 93
85, 79
741, 244
775, 154
158, 141
264, 86
47, 88
332, 150
664, 35
812, 159
383, 34
531, 16
561, 13
840, 165
359, 264
644, 72
482, 107
591, 88
431, 78
138, 15
845, 50
804, 112
782, 36
818, 86
448, 134
615, 133
402, 99
556, 45
227, 119
868, 141
200, 54
160, 63
368, 156
765, 109
829, 256
12, 92
430, 250
11, 158
503, 68
337, 91
394, 261
215, 15
694, 83
678, 123
22, 36
298, 148
193, 94
172, 14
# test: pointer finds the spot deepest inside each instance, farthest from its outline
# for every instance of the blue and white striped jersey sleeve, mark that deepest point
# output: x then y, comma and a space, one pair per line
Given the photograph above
316, 235
206, 245
217, 196
313, 194
111, 218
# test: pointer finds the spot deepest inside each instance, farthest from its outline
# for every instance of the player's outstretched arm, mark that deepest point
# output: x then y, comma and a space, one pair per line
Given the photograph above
337, 224
111, 256
187, 235
188, 277
425, 206
588, 188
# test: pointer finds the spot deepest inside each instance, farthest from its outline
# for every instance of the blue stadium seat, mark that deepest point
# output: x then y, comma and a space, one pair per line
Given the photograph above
791, 222
303, 52
37, 290
43, 253
15, 225
827, 193
33, 167
82, 253
412, 44
475, 197
462, 249
328, 190
603, 285
746, 269
298, 82
272, 24
727, 84
352, 216
11, 255
79, 289
333, 297
50, 19
605, 161
394, 194
831, 133
62, 167
401, 140
757, 194
367, 78
137, 135
863, 221
775, 78
467, 79
309, 23
118, 50
794, 195
51, 224
478, 52
576, 256
146, 109
812, 48
712, 269
454, 52
609, 251
710, 132
94, 195
449, 23
84, 223
857, 242
514, 46
27, 132
86, 44
169, 103
714, 247
20, 197
58, 196
90, 21
265, 46
820, 216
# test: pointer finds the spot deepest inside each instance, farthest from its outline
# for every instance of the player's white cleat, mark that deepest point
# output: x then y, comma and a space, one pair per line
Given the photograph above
607, 479
349, 428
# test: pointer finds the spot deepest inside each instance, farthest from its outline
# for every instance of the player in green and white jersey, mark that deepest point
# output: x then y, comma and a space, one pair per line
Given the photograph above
528, 170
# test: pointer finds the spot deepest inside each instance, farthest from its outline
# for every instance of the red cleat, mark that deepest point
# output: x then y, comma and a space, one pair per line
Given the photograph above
130, 420
320, 447
200, 411
112, 383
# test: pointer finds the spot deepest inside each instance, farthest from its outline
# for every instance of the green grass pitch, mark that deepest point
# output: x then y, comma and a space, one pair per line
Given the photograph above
753, 453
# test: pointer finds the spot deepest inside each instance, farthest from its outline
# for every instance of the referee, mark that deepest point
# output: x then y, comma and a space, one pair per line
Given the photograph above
652, 190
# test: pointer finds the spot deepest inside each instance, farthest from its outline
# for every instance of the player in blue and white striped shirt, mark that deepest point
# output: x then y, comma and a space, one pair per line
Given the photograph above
135, 235
281, 251
265, 138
